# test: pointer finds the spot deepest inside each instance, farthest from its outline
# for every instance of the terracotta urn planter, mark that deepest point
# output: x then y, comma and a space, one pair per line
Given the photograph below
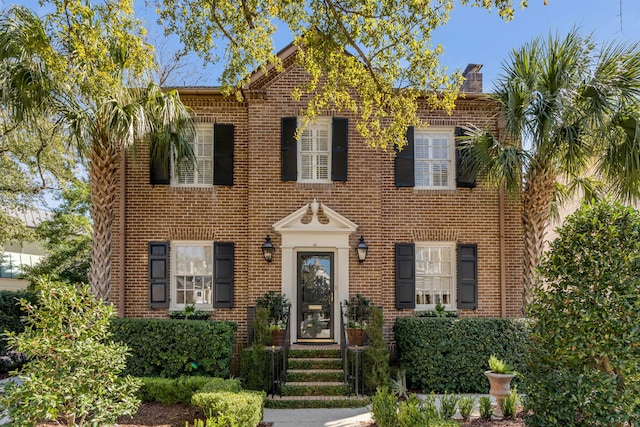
499, 386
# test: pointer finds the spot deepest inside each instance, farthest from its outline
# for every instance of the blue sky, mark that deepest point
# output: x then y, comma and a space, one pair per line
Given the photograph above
472, 35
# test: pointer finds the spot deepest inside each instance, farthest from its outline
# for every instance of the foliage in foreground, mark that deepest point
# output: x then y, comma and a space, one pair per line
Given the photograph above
73, 369
224, 408
388, 412
585, 337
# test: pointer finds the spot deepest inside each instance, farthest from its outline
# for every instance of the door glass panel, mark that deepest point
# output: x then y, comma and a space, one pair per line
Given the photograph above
315, 296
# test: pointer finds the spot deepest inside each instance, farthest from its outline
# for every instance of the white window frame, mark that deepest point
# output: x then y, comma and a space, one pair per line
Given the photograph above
322, 123
421, 297
423, 162
203, 131
174, 269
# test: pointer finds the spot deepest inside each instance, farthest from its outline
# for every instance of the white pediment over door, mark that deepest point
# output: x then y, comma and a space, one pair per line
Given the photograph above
315, 227
334, 222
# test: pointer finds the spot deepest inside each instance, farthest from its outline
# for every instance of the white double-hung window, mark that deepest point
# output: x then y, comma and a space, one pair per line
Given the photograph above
434, 158
314, 152
435, 274
199, 174
192, 274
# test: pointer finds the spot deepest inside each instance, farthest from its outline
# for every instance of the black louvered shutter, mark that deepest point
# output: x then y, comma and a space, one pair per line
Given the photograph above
468, 276
404, 167
158, 274
223, 280
339, 149
159, 167
464, 179
288, 149
405, 275
223, 141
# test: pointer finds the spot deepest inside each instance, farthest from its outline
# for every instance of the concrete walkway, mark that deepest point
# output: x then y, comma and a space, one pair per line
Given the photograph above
347, 417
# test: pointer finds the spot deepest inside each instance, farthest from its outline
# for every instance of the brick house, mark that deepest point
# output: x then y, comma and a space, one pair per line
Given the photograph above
433, 236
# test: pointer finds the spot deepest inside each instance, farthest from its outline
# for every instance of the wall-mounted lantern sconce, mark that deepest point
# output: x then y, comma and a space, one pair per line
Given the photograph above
361, 250
268, 249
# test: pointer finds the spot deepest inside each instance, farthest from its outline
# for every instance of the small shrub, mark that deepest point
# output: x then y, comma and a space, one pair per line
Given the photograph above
252, 361
448, 404
429, 406
376, 355
74, 369
509, 404
410, 413
171, 390
486, 408
384, 407
243, 409
465, 406
399, 385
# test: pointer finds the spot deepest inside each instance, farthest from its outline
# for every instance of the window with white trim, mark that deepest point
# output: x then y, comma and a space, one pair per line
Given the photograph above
435, 274
314, 152
199, 174
192, 274
434, 158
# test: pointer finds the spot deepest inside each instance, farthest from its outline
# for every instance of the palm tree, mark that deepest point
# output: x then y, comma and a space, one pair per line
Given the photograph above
570, 114
102, 114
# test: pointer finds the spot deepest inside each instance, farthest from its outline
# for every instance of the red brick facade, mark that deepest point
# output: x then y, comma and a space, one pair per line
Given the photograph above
245, 212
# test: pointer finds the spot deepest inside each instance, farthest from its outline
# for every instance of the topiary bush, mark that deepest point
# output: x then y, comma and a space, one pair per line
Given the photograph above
584, 366
74, 369
443, 354
174, 348
252, 360
376, 354
243, 409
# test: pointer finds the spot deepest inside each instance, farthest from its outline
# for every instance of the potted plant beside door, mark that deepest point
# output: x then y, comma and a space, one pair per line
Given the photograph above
278, 306
358, 310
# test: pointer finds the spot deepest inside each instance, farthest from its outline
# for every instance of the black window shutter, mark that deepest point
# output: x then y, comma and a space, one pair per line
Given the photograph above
405, 275
464, 179
158, 274
405, 172
223, 141
339, 149
223, 281
468, 276
288, 149
159, 167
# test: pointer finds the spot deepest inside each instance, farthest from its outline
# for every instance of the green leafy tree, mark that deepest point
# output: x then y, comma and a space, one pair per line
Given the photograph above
585, 339
371, 57
67, 238
73, 369
84, 67
570, 110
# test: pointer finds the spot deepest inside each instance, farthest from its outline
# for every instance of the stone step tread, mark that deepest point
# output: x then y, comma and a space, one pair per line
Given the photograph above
314, 371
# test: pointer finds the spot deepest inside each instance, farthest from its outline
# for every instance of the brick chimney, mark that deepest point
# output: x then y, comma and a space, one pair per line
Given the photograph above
473, 79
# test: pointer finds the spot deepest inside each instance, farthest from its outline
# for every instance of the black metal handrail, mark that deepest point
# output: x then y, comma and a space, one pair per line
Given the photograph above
352, 345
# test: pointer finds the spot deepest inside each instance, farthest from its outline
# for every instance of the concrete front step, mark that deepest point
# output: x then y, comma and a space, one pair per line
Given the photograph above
314, 352
295, 402
315, 388
297, 375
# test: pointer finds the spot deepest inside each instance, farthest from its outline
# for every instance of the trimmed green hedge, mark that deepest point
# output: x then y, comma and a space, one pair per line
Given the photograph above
243, 409
11, 314
174, 348
181, 390
450, 355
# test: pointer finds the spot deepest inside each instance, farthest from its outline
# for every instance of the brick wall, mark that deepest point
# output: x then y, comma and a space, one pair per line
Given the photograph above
245, 212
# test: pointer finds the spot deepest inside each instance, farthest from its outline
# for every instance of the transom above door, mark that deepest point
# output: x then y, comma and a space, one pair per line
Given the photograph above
315, 297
